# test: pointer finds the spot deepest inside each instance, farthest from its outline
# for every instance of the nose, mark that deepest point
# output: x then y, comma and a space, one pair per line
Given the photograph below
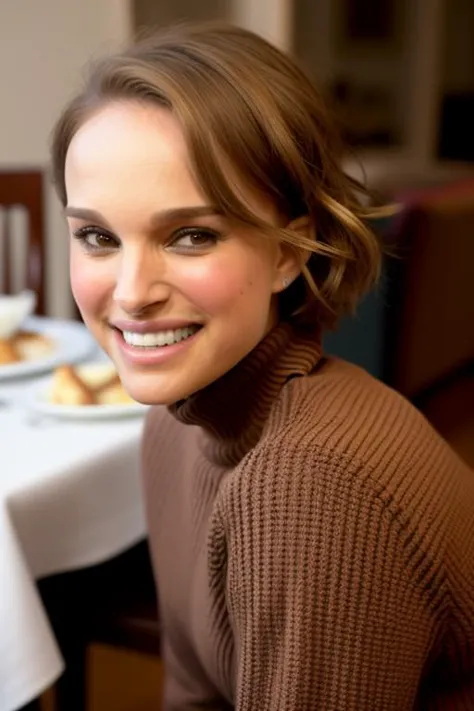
140, 280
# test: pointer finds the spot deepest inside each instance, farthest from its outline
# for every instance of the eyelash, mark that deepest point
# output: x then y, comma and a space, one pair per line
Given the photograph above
83, 232
211, 235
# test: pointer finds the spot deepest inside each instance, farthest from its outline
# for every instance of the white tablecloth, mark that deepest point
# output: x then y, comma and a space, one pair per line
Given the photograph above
69, 497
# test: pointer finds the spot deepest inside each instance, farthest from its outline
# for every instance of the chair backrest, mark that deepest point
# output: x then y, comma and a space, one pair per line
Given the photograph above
430, 320
24, 190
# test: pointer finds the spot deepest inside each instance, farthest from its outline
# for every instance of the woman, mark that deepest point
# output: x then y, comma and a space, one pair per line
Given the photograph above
312, 536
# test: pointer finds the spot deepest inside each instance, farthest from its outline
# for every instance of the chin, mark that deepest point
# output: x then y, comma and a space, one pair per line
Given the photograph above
164, 400
152, 393
149, 396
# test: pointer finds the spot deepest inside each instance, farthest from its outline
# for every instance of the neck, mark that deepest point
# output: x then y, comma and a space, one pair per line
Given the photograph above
233, 410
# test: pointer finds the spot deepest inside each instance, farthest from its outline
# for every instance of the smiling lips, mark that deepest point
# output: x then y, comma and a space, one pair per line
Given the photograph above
155, 334
159, 338
151, 343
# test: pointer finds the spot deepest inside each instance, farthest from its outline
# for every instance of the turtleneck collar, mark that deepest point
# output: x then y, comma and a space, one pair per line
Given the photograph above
233, 409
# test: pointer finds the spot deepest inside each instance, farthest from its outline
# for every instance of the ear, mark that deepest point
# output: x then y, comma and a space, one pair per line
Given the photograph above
291, 259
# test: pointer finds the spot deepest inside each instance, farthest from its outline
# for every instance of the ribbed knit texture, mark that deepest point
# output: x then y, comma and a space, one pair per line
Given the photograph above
313, 542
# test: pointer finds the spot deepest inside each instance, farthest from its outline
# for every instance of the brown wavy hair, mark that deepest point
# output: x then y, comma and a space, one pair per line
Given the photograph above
242, 102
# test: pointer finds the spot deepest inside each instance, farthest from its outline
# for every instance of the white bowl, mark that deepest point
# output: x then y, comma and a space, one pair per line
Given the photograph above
14, 309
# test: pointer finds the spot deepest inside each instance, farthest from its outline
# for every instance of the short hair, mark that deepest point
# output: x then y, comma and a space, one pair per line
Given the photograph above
242, 102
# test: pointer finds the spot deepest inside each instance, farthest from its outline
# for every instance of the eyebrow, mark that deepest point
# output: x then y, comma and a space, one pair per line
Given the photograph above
157, 219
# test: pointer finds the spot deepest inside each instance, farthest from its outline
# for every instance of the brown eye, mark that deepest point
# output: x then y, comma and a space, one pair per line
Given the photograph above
193, 240
95, 239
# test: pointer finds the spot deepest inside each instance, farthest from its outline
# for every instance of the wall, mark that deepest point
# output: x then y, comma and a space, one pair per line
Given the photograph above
458, 49
147, 13
43, 46
313, 38
270, 18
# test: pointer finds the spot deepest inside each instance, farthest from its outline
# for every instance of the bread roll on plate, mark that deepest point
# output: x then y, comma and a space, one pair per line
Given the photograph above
69, 389
8, 352
31, 346
91, 384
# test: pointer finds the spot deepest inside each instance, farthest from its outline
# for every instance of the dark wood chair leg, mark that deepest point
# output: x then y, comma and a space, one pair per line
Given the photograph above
61, 598
34, 705
71, 688
78, 603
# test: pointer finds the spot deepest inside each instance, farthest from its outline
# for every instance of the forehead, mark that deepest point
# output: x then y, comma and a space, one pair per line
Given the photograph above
130, 158
130, 150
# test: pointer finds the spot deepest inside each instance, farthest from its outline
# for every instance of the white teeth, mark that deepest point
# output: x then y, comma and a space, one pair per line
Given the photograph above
162, 338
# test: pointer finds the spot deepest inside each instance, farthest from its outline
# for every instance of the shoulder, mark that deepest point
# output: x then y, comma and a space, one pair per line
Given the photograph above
342, 407
340, 412
342, 437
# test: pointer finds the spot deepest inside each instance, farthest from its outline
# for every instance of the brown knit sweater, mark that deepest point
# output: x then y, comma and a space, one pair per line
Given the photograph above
313, 541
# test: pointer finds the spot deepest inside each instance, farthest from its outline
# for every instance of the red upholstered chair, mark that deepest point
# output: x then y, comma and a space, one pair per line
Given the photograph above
24, 190
429, 328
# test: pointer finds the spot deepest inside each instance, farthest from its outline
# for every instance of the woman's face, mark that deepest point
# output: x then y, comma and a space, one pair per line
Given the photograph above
172, 291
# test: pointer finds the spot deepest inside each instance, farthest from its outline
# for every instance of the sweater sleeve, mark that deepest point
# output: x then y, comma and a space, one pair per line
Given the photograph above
325, 588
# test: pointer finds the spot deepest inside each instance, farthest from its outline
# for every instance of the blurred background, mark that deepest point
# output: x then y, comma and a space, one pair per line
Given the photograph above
400, 74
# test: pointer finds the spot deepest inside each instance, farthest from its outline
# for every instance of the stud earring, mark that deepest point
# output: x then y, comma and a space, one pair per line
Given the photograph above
286, 282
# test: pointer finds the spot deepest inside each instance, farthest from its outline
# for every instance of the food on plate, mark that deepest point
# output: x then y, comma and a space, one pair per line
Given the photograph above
8, 354
69, 389
24, 346
31, 345
93, 384
113, 394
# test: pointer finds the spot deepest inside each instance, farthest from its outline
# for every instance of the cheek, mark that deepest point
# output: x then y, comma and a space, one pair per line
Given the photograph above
220, 285
89, 285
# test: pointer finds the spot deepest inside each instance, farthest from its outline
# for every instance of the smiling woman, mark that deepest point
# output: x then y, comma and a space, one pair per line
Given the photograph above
173, 290
137, 132
309, 532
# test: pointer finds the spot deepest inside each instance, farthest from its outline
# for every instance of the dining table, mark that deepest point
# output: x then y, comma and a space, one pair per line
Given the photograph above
69, 498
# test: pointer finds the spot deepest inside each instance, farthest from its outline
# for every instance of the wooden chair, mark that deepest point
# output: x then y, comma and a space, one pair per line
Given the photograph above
113, 604
131, 620
429, 323
23, 189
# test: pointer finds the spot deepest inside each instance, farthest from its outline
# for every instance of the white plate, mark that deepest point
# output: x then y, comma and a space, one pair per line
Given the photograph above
85, 412
73, 344
38, 401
